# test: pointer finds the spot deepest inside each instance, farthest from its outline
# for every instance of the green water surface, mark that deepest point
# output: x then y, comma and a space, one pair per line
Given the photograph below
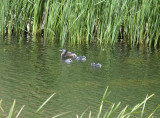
30, 71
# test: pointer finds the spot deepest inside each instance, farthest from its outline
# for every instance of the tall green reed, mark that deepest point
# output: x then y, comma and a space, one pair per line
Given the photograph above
15, 14
39, 7
104, 21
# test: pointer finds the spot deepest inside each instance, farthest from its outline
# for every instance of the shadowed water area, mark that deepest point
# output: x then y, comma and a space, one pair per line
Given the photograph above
32, 71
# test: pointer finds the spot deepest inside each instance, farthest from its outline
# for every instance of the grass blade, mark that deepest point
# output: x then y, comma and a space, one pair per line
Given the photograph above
113, 110
45, 102
122, 112
90, 114
1, 106
101, 105
60, 114
143, 107
20, 111
11, 110
83, 113
153, 111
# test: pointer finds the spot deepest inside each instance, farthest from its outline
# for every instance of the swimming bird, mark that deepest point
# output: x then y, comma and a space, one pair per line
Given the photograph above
81, 58
68, 61
67, 54
98, 65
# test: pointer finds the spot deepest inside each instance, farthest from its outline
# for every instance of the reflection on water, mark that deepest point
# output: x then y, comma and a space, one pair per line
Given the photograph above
31, 71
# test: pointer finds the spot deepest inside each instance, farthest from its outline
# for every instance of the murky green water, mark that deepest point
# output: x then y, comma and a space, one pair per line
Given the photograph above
31, 71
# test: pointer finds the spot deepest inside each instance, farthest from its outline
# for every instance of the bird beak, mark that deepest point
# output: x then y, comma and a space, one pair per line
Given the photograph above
60, 50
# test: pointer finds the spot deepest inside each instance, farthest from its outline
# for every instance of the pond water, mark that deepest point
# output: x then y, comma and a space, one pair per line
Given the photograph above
32, 71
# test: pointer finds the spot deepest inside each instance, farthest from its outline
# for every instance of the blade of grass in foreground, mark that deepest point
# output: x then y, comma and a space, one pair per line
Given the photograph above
137, 106
11, 110
143, 107
60, 114
113, 110
154, 111
100, 109
45, 102
1, 106
83, 113
20, 111
121, 114
90, 114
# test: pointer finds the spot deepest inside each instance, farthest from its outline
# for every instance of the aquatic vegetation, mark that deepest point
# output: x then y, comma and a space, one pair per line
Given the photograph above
112, 112
126, 112
105, 21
